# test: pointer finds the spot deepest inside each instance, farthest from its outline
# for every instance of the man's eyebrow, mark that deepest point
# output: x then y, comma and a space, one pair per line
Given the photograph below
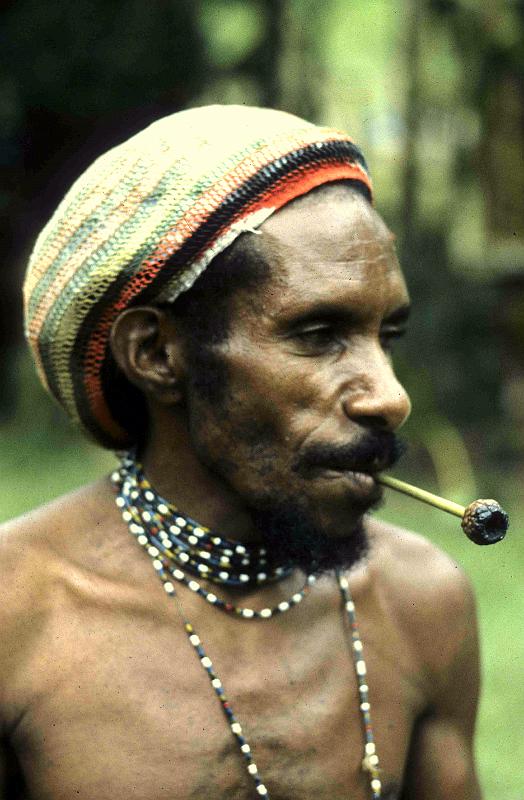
321, 311
333, 312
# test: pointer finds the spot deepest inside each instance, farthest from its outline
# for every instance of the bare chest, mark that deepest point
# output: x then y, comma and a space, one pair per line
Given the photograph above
120, 707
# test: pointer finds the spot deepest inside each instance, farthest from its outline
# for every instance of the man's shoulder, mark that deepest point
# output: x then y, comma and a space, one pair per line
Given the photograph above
33, 544
45, 526
427, 591
412, 562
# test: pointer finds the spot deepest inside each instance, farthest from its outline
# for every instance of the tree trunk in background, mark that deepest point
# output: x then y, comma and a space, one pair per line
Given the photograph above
414, 16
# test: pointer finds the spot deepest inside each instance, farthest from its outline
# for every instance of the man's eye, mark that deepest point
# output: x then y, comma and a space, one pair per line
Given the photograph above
318, 338
389, 336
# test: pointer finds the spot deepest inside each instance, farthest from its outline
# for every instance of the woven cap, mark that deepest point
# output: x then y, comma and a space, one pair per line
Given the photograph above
146, 218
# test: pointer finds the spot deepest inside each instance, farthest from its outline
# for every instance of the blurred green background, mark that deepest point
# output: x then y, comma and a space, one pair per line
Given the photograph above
433, 91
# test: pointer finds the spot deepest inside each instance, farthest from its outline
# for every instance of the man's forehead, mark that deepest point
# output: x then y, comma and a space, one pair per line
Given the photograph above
334, 227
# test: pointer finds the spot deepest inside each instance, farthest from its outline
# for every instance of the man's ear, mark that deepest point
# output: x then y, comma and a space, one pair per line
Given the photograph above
146, 347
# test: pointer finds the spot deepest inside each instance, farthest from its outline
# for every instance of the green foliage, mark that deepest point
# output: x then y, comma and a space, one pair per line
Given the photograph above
231, 30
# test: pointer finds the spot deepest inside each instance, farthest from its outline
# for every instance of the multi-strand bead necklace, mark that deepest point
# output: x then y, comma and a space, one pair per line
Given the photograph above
176, 543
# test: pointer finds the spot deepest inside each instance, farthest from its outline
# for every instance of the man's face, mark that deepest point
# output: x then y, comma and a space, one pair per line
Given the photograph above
310, 398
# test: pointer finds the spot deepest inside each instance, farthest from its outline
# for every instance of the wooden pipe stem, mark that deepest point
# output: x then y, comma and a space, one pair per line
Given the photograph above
422, 494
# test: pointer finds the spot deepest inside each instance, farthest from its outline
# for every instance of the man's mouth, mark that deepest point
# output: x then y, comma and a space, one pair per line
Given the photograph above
366, 470
356, 483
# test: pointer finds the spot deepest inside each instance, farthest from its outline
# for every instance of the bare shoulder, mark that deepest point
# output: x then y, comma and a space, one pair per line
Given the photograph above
427, 591
32, 549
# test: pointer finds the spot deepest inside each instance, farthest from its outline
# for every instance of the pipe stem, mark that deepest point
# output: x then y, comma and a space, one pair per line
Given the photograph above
422, 494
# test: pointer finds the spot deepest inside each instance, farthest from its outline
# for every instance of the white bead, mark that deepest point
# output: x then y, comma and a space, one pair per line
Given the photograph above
134, 528
350, 605
174, 529
202, 568
216, 540
206, 662
157, 565
216, 683
245, 748
198, 531
149, 496
168, 544
211, 598
163, 508
243, 577
183, 557
204, 554
178, 574
245, 562
228, 552
357, 645
283, 606
192, 540
169, 588
370, 748
153, 551
297, 598
361, 668
126, 516
224, 560
373, 760
261, 576
194, 586
194, 639
223, 576
376, 785
115, 476
236, 727
365, 706
343, 583
180, 521
266, 612
143, 540
248, 612
120, 502
146, 516
252, 769
261, 789
240, 549
163, 535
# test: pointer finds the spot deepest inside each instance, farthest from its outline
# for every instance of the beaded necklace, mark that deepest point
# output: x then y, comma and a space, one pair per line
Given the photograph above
173, 540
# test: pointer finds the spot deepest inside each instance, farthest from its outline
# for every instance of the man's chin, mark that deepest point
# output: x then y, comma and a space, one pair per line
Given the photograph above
295, 537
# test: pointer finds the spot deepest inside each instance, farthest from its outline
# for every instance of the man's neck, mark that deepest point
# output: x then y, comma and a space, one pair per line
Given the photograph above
178, 475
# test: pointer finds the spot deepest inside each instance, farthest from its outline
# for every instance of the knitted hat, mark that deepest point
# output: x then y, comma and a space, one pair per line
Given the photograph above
144, 221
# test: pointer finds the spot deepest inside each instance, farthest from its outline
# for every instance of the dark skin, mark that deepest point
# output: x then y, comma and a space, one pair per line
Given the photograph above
101, 695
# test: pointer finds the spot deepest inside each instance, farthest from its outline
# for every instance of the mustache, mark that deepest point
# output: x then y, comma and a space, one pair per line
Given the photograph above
374, 452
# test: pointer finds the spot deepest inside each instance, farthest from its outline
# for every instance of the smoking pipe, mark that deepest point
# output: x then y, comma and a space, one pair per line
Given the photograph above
483, 521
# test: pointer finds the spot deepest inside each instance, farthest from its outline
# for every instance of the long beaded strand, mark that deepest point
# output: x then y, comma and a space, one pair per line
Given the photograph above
370, 762
128, 483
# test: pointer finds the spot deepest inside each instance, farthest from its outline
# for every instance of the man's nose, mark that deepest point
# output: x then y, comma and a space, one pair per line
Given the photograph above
377, 399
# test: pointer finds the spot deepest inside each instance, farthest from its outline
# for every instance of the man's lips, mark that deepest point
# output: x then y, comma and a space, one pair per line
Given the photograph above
368, 469
355, 482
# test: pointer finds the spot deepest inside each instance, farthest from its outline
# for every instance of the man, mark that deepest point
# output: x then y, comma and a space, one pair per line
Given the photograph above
219, 294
